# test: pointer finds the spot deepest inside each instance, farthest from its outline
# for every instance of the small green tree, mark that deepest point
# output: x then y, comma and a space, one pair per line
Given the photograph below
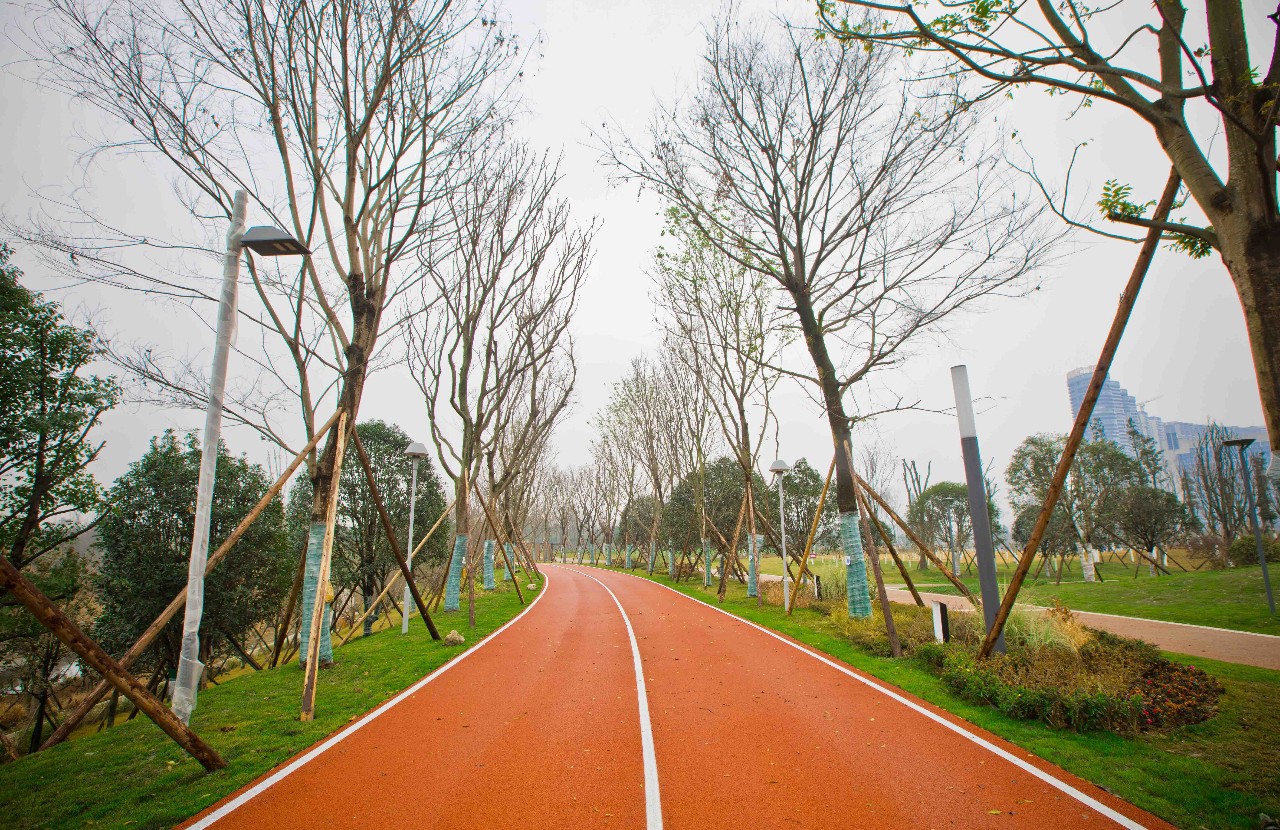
146, 546
362, 558
682, 520
1148, 456
1144, 518
942, 512
47, 411
1100, 471
1060, 539
802, 490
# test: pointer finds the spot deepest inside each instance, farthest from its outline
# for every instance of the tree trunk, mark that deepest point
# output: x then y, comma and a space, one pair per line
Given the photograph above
1086, 563
37, 728
365, 314
858, 596
1254, 265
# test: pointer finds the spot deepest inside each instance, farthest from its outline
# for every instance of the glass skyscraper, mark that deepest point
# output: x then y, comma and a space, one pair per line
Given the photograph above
1116, 408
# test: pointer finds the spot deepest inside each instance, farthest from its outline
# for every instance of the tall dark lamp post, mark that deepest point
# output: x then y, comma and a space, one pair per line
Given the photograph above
1241, 444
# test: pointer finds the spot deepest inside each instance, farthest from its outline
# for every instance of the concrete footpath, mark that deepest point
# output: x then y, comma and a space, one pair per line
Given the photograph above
1244, 647
1247, 648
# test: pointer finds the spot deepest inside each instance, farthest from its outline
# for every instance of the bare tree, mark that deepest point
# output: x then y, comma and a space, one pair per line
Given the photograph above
877, 214
1215, 486
720, 313
340, 120
491, 352
1191, 94
641, 420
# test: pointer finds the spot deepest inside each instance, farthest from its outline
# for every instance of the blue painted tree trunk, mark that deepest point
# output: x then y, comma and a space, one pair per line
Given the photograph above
311, 576
488, 565
453, 586
855, 566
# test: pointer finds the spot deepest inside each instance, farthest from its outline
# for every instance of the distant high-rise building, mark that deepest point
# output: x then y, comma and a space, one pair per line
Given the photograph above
1116, 409
1113, 411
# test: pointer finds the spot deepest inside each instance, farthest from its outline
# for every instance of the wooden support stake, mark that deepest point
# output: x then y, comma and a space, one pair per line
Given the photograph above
312, 663
890, 629
517, 539
925, 549
282, 630
1083, 417
390, 533
731, 552
497, 531
373, 606
813, 531
884, 536
239, 649
62, 627
180, 601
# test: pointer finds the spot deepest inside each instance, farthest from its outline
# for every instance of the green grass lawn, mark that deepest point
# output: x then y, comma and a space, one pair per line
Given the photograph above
1211, 776
1231, 598
134, 776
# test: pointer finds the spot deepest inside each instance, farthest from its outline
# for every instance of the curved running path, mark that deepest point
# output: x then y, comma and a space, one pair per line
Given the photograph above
546, 725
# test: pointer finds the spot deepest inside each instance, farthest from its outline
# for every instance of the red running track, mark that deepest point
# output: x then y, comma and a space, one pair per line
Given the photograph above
545, 725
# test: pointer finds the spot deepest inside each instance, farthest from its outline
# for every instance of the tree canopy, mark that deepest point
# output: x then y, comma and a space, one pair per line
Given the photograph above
146, 546
47, 410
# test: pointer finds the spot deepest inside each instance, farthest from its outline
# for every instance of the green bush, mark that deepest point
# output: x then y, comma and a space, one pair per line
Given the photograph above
1110, 683
913, 624
1244, 550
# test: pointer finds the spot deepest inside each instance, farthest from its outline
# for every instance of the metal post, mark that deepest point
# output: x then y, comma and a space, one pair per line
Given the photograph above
189, 666
413, 502
782, 532
984, 546
1257, 529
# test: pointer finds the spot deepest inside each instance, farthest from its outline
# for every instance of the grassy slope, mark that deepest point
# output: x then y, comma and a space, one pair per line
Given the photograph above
1232, 598
1215, 775
134, 776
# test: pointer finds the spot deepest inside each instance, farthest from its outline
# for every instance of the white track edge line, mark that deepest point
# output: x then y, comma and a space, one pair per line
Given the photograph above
257, 789
652, 799
1063, 786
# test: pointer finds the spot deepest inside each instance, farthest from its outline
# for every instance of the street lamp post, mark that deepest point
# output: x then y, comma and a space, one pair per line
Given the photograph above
780, 469
1241, 444
267, 241
416, 452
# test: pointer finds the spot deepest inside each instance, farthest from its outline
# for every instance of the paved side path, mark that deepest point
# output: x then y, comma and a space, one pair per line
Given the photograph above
1244, 647
616, 702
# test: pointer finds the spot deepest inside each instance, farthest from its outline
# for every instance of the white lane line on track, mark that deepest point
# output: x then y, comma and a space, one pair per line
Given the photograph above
240, 800
1063, 786
652, 800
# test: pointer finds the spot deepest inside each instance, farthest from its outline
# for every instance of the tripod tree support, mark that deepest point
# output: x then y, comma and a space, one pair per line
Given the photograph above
62, 627
312, 666
179, 602
888, 543
917, 541
391, 537
813, 531
1127, 300
497, 531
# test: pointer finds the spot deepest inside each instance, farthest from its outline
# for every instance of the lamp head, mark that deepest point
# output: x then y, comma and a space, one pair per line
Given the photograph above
417, 451
267, 240
1237, 442
779, 467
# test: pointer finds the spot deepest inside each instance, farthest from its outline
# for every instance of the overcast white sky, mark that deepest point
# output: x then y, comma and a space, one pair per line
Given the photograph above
1185, 351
